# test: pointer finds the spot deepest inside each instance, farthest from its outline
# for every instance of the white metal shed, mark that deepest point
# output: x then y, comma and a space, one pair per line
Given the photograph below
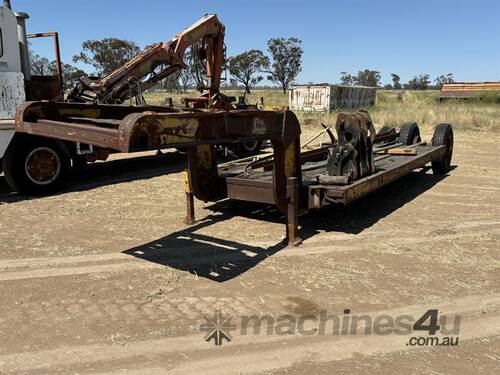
325, 97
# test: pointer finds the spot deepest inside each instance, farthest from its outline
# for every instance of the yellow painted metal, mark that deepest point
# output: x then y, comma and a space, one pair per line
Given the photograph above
181, 129
187, 187
399, 151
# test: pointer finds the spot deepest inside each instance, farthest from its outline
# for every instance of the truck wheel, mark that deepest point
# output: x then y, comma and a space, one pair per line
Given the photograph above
443, 135
244, 149
409, 133
36, 166
79, 163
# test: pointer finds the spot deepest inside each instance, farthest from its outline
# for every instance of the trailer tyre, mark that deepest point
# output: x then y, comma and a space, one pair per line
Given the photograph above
409, 133
245, 149
385, 129
36, 166
443, 136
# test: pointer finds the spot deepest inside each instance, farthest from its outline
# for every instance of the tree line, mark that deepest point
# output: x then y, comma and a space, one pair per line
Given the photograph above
280, 66
372, 78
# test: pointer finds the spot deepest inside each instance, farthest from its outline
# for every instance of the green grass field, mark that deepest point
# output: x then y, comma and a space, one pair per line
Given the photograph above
392, 108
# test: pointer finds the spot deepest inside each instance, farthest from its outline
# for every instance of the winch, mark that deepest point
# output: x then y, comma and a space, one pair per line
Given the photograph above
352, 156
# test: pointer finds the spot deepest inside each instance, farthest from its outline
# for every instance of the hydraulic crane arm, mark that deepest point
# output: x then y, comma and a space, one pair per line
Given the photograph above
157, 62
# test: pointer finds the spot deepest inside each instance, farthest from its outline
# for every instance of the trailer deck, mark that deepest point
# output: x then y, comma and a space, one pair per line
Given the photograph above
291, 180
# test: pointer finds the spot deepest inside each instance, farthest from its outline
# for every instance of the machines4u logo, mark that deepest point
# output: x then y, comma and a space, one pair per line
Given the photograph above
218, 328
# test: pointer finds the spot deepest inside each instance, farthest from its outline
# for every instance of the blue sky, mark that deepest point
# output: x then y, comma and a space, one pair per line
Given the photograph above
403, 37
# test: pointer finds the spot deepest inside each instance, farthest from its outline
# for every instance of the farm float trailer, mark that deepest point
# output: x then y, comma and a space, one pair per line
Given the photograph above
358, 162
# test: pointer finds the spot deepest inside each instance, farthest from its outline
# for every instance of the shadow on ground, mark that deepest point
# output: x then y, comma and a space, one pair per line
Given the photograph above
221, 260
110, 173
205, 256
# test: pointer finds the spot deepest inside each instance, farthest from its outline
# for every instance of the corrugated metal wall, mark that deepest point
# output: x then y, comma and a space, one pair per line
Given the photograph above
352, 96
326, 97
458, 90
311, 98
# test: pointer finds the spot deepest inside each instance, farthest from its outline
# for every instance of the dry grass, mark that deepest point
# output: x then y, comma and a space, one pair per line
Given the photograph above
392, 108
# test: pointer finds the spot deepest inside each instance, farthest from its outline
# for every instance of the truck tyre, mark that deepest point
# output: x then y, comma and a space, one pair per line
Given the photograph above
409, 133
245, 149
79, 163
443, 136
36, 166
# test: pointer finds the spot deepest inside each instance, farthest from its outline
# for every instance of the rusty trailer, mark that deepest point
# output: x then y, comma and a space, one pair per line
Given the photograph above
295, 181
46, 130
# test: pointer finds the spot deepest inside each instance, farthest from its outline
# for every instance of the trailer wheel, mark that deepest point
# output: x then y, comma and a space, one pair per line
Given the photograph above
36, 166
409, 133
385, 129
443, 135
244, 149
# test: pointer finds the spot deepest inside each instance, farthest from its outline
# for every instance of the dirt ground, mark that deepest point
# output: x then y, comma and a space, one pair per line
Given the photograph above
105, 277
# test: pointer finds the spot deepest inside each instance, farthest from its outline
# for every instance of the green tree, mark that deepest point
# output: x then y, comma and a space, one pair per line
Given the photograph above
171, 83
70, 74
367, 78
442, 79
107, 54
396, 84
346, 79
363, 78
286, 61
39, 65
420, 82
244, 67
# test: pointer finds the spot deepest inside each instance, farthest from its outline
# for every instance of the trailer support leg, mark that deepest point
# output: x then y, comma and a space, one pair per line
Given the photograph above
189, 201
292, 217
190, 209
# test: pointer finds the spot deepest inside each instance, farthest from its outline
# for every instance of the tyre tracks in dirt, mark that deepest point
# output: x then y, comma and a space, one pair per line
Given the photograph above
480, 317
32, 268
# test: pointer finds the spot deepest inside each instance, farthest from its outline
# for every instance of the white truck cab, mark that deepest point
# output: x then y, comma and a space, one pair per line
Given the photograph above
12, 92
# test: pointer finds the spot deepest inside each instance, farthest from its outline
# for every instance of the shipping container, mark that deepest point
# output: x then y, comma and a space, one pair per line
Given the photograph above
325, 97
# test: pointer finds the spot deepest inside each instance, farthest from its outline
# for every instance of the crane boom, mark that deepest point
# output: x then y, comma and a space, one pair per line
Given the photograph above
157, 62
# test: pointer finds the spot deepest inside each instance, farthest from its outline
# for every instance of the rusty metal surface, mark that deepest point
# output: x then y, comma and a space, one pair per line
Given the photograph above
157, 62
281, 128
352, 156
352, 97
94, 135
303, 191
395, 167
471, 86
250, 190
458, 90
325, 97
47, 87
